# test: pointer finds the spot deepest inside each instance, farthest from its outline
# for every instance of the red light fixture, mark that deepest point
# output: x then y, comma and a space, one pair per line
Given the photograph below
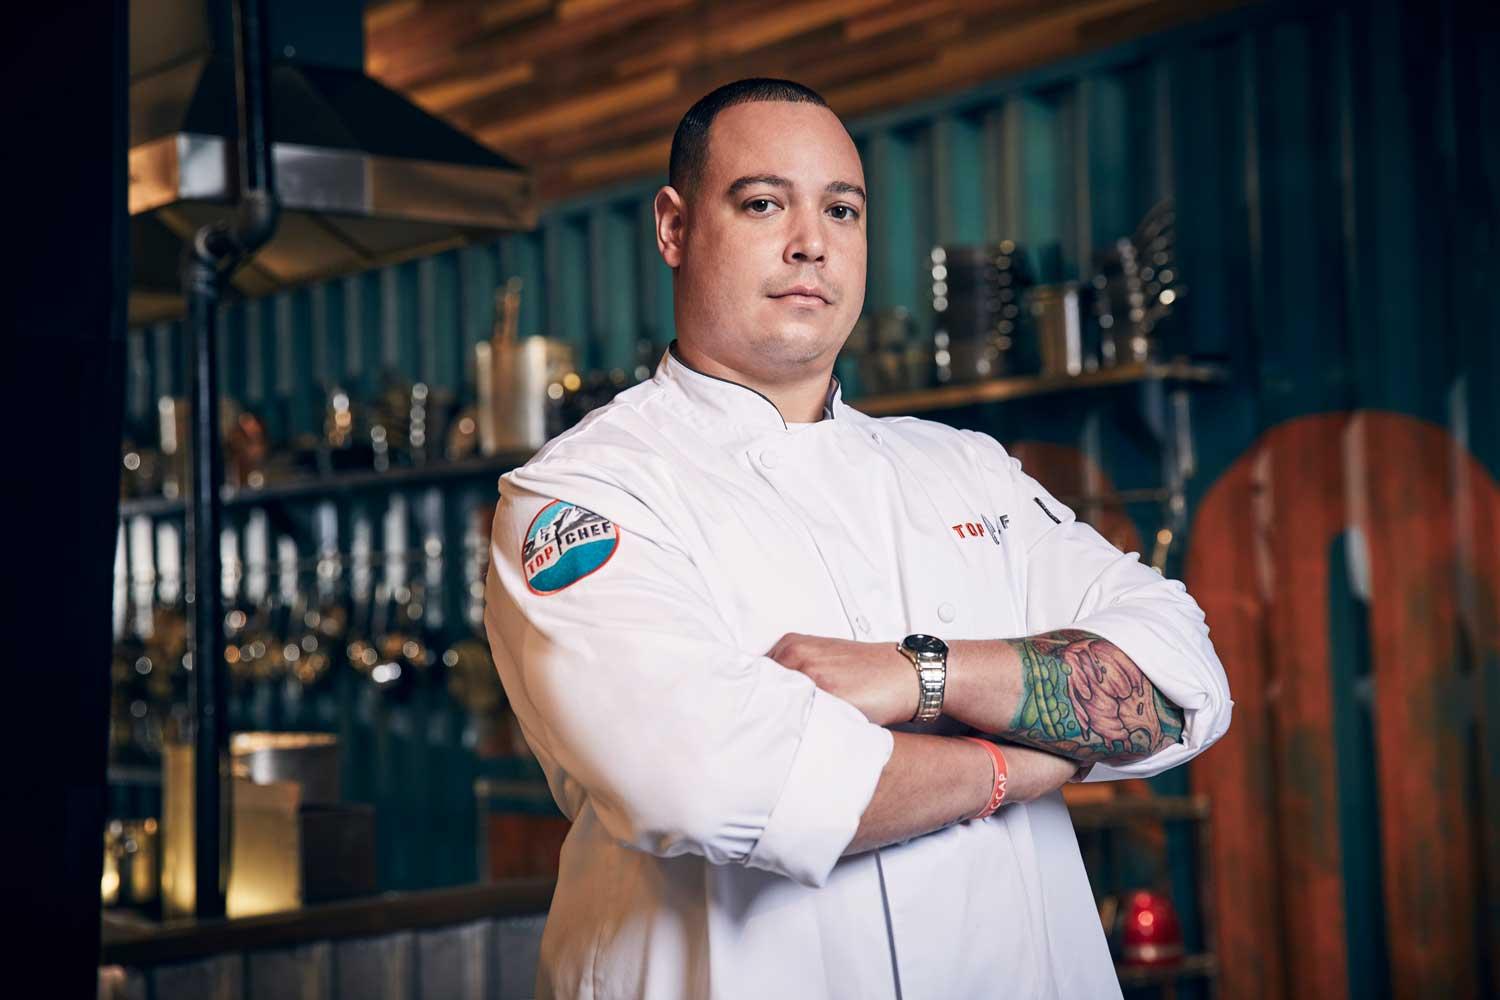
1151, 932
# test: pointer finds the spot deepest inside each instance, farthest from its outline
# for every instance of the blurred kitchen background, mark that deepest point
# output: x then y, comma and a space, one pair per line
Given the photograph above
1221, 274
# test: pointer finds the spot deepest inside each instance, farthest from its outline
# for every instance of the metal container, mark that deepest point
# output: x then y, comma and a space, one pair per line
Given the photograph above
519, 380
976, 294
516, 383
1058, 322
289, 841
311, 760
286, 853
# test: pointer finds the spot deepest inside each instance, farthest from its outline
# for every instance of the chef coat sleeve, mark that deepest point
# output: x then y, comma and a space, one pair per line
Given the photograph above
627, 682
1077, 579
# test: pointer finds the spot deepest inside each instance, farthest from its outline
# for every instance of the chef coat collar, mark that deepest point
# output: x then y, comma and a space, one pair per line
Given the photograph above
737, 403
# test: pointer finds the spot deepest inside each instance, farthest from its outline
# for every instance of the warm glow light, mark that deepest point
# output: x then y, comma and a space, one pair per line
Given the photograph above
109, 885
249, 742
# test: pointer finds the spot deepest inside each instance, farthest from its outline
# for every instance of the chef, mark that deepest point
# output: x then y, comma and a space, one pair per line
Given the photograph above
807, 682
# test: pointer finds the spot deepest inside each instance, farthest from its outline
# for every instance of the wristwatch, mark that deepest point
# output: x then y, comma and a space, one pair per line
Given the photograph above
929, 655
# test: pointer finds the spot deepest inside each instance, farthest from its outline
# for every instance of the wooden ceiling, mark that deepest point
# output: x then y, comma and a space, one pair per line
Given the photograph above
588, 92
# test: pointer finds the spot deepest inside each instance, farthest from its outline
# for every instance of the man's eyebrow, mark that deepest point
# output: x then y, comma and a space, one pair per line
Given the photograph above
844, 187
750, 180
777, 181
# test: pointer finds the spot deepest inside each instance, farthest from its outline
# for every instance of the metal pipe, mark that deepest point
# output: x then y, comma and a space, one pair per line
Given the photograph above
210, 687
212, 256
258, 204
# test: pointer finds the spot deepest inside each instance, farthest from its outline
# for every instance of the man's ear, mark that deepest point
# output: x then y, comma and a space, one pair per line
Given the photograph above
671, 225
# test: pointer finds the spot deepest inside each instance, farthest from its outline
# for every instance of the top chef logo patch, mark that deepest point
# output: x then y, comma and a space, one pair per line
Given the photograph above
990, 529
564, 544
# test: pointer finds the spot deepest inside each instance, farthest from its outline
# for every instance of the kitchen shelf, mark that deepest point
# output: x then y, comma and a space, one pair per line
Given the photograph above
127, 939
1124, 810
339, 484
997, 390
887, 404
1105, 814
1203, 966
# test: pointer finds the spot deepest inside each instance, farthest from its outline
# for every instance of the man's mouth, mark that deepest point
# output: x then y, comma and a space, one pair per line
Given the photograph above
802, 295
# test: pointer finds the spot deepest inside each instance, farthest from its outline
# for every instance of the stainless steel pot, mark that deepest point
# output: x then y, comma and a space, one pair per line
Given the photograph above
519, 380
309, 759
1058, 322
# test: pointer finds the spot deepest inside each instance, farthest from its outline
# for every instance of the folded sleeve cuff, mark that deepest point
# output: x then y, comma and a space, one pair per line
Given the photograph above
832, 779
1184, 668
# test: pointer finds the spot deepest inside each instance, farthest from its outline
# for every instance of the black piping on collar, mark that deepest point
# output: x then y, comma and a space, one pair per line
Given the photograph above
679, 359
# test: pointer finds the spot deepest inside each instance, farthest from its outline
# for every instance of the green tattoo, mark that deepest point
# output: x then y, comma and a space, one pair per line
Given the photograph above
1083, 697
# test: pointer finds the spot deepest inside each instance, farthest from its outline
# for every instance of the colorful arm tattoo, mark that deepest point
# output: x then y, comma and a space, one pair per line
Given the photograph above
1082, 697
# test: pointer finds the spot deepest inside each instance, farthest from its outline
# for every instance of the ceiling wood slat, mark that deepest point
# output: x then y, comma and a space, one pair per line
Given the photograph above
587, 92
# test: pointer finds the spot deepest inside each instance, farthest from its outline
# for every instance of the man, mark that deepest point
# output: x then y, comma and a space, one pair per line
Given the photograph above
751, 632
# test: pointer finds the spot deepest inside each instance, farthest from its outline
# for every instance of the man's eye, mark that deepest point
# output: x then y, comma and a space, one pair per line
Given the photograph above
757, 201
849, 213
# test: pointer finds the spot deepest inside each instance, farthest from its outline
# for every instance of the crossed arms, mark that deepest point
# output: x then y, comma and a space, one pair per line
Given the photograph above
1062, 701
678, 742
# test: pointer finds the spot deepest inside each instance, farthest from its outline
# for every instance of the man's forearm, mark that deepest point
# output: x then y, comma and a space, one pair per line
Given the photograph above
1068, 692
935, 781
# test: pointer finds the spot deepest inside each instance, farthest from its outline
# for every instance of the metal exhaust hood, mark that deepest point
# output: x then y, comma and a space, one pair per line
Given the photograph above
364, 176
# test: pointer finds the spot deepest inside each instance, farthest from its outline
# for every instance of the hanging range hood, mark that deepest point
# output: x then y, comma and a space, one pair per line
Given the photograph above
364, 176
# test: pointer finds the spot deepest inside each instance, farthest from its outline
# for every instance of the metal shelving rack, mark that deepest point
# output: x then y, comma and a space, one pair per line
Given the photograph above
1094, 817
1165, 411
998, 390
338, 484
1177, 374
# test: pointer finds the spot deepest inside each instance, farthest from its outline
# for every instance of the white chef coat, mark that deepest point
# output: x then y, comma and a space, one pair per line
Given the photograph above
713, 791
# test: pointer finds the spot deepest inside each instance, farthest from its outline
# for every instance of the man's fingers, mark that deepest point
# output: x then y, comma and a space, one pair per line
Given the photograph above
784, 651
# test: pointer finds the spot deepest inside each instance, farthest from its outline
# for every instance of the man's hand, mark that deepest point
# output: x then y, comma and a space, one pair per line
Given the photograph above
872, 676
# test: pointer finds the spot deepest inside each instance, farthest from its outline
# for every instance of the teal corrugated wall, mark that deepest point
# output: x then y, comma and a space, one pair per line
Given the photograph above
1335, 174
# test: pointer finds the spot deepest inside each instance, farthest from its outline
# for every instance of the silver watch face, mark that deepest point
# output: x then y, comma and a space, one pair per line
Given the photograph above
919, 643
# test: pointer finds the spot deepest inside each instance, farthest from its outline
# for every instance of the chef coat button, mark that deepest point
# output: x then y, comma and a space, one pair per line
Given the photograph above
768, 459
863, 623
946, 612
875, 436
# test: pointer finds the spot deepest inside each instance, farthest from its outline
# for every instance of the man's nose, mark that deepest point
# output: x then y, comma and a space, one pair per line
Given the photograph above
806, 243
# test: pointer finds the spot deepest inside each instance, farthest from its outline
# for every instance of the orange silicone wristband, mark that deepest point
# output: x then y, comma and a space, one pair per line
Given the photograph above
997, 794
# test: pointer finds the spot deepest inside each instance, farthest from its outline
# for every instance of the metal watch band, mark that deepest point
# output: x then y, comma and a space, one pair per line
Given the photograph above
932, 677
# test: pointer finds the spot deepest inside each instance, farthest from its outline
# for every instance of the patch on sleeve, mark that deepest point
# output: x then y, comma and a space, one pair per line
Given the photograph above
564, 544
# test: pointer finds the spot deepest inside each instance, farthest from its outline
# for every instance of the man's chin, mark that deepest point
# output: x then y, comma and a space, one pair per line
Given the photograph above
797, 345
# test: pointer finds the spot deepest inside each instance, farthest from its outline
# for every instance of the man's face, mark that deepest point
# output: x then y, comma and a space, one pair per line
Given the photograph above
779, 207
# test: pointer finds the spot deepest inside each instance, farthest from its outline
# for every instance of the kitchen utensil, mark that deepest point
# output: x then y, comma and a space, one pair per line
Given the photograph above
519, 380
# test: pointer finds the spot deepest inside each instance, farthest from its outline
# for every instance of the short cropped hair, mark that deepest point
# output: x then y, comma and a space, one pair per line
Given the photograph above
690, 141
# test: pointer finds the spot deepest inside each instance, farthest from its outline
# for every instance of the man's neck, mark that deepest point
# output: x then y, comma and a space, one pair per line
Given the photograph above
800, 400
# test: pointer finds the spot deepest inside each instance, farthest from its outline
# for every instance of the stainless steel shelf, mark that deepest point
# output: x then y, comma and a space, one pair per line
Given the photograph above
342, 484
1022, 386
